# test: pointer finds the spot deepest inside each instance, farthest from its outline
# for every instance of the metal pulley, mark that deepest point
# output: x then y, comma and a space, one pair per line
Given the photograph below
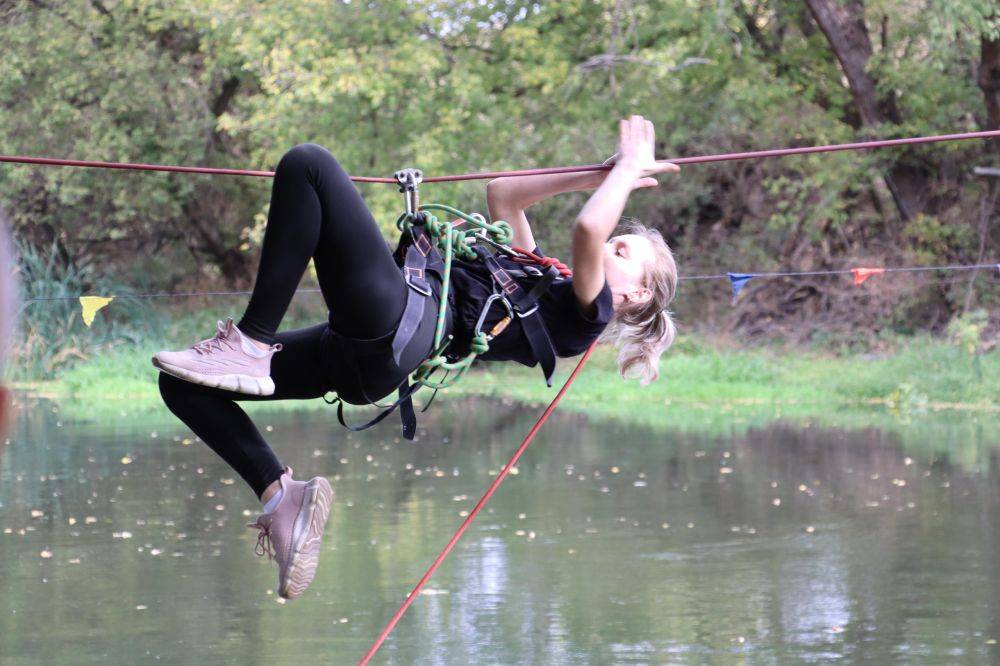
409, 180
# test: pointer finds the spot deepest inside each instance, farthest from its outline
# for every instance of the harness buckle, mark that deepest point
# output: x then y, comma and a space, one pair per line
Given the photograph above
530, 312
415, 278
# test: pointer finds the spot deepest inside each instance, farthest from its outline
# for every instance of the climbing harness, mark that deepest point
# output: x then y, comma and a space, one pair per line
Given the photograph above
427, 247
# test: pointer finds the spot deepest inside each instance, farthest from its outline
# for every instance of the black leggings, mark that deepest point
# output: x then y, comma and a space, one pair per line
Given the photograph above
315, 213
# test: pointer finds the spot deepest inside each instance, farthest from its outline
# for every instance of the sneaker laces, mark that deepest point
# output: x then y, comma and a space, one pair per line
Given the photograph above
218, 342
264, 546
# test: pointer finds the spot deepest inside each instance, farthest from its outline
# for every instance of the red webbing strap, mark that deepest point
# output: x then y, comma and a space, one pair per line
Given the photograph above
475, 511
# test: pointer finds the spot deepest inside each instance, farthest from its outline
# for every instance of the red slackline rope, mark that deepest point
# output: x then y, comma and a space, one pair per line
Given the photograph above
724, 157
475, 511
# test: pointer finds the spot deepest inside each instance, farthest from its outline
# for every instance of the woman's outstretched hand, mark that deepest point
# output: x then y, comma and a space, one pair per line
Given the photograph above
636, 139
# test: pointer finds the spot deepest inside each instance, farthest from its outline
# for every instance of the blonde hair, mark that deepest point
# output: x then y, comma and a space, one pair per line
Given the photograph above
643, 331
8, 291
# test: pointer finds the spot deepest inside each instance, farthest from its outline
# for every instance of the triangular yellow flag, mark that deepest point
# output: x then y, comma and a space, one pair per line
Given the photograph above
91, 305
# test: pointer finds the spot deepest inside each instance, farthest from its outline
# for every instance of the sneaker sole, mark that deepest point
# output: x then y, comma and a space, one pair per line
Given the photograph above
311, 522
235, 383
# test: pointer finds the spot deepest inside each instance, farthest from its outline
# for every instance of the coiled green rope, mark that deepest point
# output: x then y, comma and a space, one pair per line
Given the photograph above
452, 241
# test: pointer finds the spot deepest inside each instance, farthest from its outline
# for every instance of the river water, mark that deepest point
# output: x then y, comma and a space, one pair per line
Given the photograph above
125, 543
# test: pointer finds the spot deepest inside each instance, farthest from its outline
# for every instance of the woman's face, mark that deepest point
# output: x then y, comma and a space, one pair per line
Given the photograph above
625, 261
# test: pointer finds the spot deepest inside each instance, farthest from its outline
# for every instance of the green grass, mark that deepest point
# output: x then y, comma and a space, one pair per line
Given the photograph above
704, 389
701, 388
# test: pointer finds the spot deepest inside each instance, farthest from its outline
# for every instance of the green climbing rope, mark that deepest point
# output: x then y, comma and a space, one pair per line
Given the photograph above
452, 241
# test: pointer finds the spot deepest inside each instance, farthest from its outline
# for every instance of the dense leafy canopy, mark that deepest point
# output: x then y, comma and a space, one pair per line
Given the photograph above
460, 85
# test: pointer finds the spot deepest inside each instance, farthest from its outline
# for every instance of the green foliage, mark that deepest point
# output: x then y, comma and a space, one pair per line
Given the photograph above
453, 85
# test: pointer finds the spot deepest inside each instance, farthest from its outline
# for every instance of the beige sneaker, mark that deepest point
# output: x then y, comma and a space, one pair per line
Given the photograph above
291, 534
227, 361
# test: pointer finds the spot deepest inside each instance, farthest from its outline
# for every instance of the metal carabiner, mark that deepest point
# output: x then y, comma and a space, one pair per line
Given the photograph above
482, 236
486, 309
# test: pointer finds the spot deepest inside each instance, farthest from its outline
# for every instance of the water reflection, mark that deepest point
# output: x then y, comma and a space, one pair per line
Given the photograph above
125, 542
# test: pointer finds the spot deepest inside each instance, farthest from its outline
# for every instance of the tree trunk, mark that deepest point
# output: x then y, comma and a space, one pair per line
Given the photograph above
989, 81
843, 25
205, 216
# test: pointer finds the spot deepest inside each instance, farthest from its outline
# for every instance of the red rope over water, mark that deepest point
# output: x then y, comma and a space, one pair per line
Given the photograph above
475, 511
724, 157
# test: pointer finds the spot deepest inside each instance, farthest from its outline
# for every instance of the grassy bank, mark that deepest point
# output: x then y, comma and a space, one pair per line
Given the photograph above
702, 387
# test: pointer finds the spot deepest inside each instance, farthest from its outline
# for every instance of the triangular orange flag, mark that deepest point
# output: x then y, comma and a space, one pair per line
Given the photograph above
862, 274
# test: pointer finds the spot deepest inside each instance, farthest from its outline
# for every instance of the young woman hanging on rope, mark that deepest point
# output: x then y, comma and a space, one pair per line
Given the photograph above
383, 321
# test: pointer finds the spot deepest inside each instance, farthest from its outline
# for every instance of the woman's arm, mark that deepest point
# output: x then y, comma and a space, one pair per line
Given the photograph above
593, 226
509, 196
600, 216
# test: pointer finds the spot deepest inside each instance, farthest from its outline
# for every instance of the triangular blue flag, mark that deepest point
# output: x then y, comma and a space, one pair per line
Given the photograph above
738, 281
